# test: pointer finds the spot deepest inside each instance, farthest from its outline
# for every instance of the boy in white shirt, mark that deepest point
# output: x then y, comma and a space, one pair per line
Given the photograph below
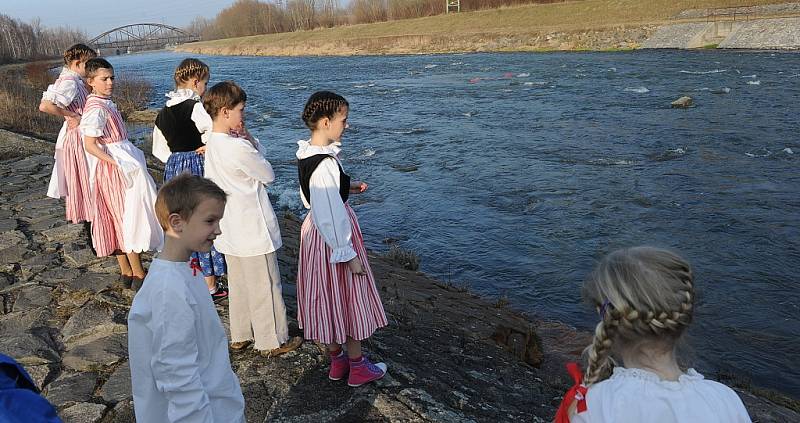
178, 351
250, 231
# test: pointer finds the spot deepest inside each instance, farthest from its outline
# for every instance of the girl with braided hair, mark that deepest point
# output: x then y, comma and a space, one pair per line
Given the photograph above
179, 140
645, 297
337, 302
65, 99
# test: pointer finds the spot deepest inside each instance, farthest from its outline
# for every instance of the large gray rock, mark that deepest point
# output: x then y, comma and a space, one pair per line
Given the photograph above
56, 275
94, 320
682, 102
91, 281
33, 297
118, 387
97, 354
85, 412
12, 238
64, 233
81, 258
121, 413
39, 374
11, 255
14, 323
28, 349
71, 388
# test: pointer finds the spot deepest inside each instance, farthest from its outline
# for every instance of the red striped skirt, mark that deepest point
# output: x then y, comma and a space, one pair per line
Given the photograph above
76, 174
109, 207
333, 303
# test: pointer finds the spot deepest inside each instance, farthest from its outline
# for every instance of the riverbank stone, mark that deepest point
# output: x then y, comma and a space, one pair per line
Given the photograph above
28, 349
97, 354
71, 388
33, 297
85, 412
682, 103
118, 387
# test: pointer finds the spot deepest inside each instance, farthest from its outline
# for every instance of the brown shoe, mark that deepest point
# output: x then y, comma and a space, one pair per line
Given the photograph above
290, 345
241, 345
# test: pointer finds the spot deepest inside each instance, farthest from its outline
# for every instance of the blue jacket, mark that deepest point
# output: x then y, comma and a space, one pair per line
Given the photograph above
20, 401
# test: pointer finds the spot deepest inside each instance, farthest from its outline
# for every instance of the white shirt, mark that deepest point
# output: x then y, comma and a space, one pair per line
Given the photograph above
62, 93
178, 351
249, 226
93, 121
636, 395
327, 209
200, 118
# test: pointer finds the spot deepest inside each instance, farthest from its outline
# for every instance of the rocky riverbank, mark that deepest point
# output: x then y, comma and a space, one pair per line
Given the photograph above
452, 356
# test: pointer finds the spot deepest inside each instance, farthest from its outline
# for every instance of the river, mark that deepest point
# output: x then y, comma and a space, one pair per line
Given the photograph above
513, 173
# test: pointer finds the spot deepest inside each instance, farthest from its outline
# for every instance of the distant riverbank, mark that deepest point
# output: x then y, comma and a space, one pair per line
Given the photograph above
591, 25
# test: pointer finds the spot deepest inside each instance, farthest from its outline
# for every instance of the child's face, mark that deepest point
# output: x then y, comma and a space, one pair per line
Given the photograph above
337, 125
79, 66
198, 85
202, 227
235, 117
102, 82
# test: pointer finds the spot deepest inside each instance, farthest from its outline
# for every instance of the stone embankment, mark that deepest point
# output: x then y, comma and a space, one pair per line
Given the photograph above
453, 357
769, 27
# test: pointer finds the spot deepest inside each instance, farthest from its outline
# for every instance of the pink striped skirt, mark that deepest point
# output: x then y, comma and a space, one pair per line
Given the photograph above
109, 207
76, 175
333, 303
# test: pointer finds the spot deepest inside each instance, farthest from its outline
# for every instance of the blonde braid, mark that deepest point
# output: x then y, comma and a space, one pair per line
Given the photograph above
322, 104
190, 68
651, 293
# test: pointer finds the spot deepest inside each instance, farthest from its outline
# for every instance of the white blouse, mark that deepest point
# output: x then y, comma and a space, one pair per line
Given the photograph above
178, 351
327, 209
64, 91
249, 226
94, 120
636, 395
200, 118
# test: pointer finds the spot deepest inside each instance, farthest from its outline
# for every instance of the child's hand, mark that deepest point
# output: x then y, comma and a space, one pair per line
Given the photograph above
357, 187
355, 266
201, 150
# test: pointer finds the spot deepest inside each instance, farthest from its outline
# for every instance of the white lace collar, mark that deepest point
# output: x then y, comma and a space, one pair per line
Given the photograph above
67, 72
691, 375
305, 149
180, 95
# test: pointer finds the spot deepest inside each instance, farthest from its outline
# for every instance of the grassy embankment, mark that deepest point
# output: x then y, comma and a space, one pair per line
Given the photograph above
580, 25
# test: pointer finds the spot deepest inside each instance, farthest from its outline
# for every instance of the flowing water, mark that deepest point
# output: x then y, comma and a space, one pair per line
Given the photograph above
513, 173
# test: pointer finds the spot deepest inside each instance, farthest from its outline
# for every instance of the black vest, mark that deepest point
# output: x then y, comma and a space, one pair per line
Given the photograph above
180, 131
307, 166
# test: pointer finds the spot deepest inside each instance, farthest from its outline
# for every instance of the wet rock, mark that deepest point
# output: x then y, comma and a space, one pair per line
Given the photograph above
28, 349
97, 354
682, 102
92, 321
523, 343
71, 388
33, 297
84, 412
118, 387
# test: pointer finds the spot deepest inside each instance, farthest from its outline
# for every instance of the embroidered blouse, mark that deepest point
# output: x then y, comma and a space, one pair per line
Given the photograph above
102, 120
67, 92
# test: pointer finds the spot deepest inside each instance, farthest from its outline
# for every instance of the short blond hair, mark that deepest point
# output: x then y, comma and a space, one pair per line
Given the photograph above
79, 52
182, 194
643, 294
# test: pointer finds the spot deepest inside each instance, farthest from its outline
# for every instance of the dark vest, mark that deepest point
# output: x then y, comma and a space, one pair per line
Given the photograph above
307, 166
180, 131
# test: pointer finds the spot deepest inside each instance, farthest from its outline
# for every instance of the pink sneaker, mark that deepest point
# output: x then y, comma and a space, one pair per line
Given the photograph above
364, 371
340, 365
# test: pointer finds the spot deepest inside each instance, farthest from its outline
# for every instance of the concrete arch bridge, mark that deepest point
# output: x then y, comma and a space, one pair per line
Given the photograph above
138, 37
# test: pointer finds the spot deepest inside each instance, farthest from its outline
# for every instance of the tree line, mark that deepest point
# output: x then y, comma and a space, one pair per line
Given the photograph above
254, 17
28, 41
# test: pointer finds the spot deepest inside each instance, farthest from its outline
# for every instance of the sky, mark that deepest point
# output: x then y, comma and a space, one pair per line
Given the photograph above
96, 16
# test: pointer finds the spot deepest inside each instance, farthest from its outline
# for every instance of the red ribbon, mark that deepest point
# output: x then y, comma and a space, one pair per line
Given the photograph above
194, 263
576, 393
